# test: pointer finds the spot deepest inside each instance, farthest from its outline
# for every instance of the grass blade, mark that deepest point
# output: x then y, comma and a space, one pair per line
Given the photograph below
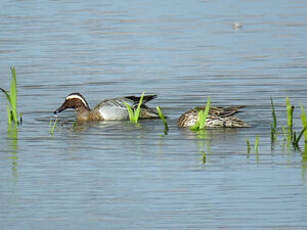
272, 133
196, 125
130, 112
256, 144
52, 126
13, 94
248, 145
297, 140
204, 157
8, 107
201, 118
294, 141
9, 115
283, 130
8, 98
138, 109
205, 113
274, 125
304, 122
163, 120
289, 109
134, 113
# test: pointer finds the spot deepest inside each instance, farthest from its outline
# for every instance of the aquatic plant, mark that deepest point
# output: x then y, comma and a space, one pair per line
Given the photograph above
201, 117
11, 106
287, 131
283, 130
248, 145
256, 144
304, 123
274, 123
204, 158
12, 134
296, 139
289, 110
52, 126
163, 120
134, 113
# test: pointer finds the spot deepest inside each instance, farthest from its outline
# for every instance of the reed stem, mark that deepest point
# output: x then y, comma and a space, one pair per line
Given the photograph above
163, 120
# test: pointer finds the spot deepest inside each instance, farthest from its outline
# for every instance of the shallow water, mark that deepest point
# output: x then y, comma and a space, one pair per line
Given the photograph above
113, 175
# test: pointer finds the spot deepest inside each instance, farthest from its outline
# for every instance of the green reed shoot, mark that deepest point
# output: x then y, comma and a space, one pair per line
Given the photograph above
8, 113
130, 112
163, 120
134, 113
52, 126
273, 135
201, 117
256, 144
248, 145
283, 130
273, 115
304, 123
274, 123
11, 106
296, 140
204, 157
290, 110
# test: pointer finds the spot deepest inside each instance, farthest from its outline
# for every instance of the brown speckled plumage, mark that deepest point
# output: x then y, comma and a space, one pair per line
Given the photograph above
217, 117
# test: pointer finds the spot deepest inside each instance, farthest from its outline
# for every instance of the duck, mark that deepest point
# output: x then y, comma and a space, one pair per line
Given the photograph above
218, 117
112, 109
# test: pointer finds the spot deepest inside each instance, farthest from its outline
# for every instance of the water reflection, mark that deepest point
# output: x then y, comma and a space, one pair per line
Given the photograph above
203, 144
12, 136
304, 161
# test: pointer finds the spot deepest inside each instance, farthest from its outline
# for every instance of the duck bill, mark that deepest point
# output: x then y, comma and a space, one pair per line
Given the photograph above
60, 109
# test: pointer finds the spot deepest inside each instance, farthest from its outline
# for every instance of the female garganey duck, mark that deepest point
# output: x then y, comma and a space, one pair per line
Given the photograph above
109, 109
217, 117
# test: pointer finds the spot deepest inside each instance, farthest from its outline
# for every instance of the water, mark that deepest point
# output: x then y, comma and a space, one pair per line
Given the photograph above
112, 175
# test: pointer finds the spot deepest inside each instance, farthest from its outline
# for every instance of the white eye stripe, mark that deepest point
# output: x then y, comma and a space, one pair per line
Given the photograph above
77, 97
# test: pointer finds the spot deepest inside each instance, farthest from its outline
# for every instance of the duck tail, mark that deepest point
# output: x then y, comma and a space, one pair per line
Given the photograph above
235, 122
148, 113
146, 98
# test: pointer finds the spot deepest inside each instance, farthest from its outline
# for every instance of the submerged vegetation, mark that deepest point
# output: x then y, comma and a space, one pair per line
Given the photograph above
52, 124
134, 113
11, 97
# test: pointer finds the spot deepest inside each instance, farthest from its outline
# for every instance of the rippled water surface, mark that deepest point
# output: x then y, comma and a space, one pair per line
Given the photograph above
113, 175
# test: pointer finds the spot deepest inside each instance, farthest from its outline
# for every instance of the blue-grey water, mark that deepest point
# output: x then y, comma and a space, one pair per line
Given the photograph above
114, 175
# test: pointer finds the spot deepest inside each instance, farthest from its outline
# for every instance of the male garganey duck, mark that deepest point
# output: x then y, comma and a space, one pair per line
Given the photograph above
217, 117
107, 110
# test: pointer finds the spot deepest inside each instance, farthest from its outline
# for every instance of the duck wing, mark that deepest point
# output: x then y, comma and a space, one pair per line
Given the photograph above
118, 102
221, 111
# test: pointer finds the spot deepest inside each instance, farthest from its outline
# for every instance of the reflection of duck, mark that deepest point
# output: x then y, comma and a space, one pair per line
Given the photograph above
109, 109
217, 117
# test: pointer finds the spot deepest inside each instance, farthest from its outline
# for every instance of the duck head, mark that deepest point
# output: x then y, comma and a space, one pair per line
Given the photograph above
73, 101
